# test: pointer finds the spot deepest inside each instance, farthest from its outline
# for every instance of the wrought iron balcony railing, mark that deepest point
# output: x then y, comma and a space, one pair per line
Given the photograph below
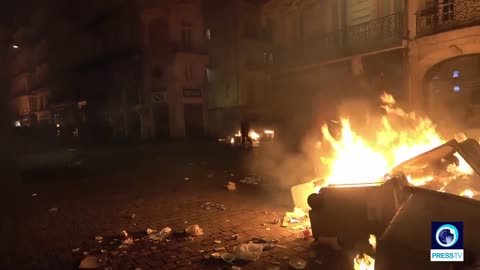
373, 35
449, 15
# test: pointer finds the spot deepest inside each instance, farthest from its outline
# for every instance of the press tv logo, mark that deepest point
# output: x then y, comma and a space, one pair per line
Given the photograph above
447, 242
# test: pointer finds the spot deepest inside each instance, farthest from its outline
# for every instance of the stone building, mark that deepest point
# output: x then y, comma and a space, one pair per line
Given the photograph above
241, 58
29, 69
425, 52
329, 51
175, 60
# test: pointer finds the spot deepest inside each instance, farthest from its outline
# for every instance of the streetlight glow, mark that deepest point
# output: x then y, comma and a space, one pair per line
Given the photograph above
15, 46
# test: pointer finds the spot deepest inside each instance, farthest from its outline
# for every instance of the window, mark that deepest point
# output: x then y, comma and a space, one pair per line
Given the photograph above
270, 58
188, 72
186, 33
448, 10
265, 57
455, 74
208, 34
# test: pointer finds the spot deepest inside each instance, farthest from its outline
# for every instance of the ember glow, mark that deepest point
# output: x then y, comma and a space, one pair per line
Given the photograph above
363, 262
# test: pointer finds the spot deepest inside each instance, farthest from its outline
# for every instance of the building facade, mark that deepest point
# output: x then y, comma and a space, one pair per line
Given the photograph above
329, 51
175, 60
425, 52
241, 59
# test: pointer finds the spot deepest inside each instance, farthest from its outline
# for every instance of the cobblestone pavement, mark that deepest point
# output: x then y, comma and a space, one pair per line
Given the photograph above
167, 189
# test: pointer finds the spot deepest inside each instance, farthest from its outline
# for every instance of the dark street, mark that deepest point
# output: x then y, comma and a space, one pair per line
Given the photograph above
151, 184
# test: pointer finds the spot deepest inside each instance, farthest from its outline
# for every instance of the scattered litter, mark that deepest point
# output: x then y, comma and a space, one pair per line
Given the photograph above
219, 248
154, 247
99, 238
248, 251
53, 210
189, 238
201, 250
128, 241
234, 267
209, 205
132, 216
86, 253
185, 222
276, 220
236, 236
186, 178
249, 180
297, 263
298, 227
34, 195
275, 263
76, 250
228, 220
268, 246
281, 246
231, 186
217, 241
228, 257
285, 258
113, 253
194, 230
161, 235
232, 174
268, 229
89, 262
294, 220
184, 262
258, 240
216, 255
124, 233
285, 222
318, 262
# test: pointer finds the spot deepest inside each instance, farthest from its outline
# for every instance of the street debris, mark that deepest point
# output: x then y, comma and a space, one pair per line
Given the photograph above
124, 233
216, 255
228, 257
231, 186
209, 205
53, 210
132, 216
250, 180
194, 230
276, 221
98, 238
184, 262
297, 263
76, 250
186, 179
234, 267
161, 235
89, 262
248, 251
235, 236
217, 241
219, 248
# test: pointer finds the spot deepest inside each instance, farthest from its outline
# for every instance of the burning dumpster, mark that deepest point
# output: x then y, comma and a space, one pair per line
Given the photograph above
442, 184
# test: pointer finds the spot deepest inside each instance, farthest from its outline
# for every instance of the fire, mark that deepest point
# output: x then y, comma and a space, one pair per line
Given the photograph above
363, 262
368, 161
253, 135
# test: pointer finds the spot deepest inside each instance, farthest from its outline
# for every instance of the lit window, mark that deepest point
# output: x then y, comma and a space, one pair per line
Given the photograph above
17, 124
456, 88
208, 34
456, 74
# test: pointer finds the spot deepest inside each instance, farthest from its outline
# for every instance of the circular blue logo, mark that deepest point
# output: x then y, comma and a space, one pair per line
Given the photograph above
447, 235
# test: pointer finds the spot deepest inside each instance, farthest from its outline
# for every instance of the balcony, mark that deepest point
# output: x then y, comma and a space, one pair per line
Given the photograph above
447, 16
379, 34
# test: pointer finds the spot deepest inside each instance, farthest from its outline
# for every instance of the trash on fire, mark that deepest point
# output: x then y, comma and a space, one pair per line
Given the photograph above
89, 262
231, 186
194, 230
248, 251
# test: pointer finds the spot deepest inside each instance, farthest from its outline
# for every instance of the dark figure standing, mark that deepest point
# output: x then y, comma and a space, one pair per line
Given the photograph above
244, 130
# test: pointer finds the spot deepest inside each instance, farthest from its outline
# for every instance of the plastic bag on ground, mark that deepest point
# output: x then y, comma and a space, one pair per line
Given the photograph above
194, 230
248, 251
